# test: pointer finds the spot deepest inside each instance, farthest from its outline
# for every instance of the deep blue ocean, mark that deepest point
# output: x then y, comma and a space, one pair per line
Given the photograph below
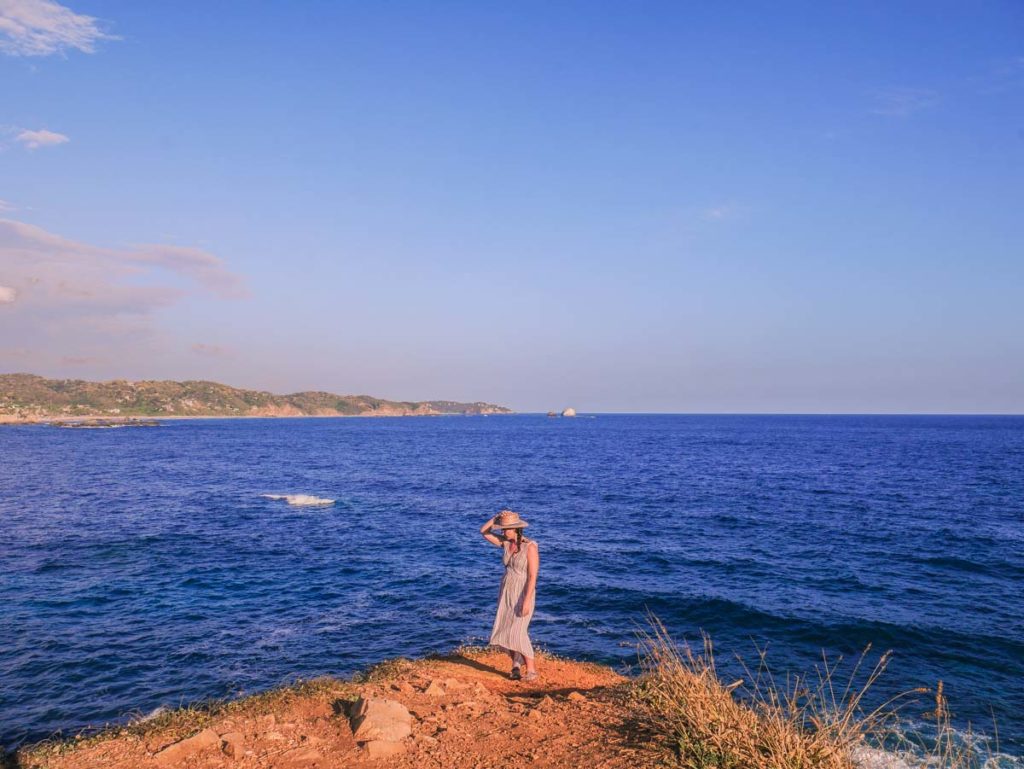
141, 567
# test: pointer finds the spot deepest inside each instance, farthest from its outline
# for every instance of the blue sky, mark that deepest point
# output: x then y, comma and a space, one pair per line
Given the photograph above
766, 207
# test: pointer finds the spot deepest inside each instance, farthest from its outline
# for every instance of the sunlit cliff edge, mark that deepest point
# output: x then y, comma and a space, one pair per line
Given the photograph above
462, 711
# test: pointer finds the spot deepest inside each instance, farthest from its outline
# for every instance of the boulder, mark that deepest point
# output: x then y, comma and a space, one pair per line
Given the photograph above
434, 689
233, 744
380, 719
176, 752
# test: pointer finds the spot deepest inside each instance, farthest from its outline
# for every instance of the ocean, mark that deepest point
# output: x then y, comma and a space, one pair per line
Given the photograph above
141, 568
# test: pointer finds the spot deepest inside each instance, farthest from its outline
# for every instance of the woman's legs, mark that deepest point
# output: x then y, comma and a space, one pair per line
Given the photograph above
519, 659
530, 666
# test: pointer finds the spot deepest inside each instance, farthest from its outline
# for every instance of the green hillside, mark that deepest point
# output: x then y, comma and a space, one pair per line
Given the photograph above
26, 396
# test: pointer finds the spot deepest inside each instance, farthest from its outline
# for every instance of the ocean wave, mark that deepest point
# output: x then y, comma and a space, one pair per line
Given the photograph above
913, 746
301, 500
865, 757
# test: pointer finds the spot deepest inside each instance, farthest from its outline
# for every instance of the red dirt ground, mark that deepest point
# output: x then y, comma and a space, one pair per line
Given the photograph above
473, 717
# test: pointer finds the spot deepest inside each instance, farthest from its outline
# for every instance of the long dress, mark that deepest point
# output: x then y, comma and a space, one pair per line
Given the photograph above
510, 630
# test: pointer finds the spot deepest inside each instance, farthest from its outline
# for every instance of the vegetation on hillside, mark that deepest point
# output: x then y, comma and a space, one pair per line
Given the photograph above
27, 396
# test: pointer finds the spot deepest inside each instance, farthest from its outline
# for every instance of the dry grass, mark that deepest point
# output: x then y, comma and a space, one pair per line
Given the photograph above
813, 722
387, 670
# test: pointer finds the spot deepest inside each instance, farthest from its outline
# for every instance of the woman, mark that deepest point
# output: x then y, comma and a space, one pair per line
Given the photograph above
518, 591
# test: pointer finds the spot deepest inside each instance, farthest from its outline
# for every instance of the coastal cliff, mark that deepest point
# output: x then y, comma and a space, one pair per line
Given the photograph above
457, 711
462, 711
30, 398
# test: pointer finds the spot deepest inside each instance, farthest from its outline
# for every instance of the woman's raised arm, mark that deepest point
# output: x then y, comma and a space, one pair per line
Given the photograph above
486, 531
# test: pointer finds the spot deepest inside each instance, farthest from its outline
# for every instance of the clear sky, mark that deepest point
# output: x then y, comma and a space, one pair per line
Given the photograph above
635, 206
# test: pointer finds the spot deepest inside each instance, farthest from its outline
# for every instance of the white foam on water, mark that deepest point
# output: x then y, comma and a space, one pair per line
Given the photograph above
982, 746
154, 713
865, 757
301, 500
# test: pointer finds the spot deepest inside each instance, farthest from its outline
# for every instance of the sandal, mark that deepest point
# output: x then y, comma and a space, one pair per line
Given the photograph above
531, 676
515, 675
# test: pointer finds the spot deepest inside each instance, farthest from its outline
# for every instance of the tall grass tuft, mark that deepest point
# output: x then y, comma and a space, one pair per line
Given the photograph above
810, 722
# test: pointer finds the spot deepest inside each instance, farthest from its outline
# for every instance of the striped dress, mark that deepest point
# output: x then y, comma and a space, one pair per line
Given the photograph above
510, 630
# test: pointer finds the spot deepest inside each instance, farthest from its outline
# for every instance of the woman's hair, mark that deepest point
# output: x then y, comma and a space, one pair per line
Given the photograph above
520, 539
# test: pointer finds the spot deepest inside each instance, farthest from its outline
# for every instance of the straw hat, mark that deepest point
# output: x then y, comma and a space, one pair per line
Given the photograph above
506, 519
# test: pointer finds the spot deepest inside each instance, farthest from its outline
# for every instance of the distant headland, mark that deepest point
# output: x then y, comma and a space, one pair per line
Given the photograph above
26, 398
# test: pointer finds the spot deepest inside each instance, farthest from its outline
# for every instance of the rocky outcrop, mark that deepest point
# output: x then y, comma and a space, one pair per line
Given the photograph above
380, 725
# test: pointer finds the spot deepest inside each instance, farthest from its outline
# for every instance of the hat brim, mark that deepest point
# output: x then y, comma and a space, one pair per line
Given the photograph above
519, 525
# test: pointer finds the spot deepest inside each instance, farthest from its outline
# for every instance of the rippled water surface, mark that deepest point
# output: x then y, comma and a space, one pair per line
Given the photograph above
141, 567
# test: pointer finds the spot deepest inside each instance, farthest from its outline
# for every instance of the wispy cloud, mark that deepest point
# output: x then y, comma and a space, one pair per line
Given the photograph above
211, 350
903, 102
64, 293
32, 245
16, 354
45, 27
5, 206
718, 213
80, 360
1002, 76
194, 263
996, 78
42, 138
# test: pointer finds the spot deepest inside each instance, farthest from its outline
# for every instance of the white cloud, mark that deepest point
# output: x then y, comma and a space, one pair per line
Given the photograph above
5, 206
903, 102
42, 138
44, 27
7, 295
